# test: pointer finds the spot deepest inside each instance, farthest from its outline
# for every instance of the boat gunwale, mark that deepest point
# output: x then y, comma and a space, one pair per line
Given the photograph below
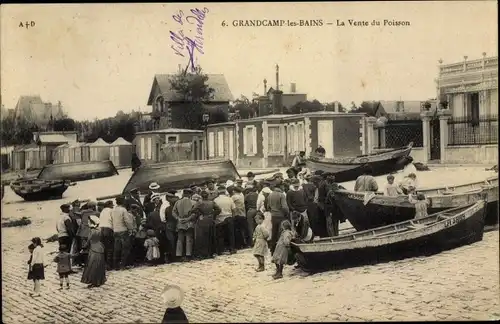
402, 200
403, 150
395, 237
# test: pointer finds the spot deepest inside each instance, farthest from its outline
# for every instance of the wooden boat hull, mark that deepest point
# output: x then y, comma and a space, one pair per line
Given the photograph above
348, 169
181, 175
465, 227
78, 171
38, 190
382, 210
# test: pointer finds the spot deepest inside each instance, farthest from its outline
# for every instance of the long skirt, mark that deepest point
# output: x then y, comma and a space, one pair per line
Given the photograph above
204, 237
95, 270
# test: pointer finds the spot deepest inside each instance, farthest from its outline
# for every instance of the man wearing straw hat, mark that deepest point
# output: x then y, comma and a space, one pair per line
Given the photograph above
148, 206
173, 296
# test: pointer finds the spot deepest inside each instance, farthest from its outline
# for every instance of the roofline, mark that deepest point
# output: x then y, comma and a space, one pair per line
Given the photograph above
166, 131
290, 117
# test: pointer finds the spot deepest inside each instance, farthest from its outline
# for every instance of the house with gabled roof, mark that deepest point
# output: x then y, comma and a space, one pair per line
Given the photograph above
166, 102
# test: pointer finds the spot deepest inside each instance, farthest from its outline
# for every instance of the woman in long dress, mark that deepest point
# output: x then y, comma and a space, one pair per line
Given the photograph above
94, 273
205, 212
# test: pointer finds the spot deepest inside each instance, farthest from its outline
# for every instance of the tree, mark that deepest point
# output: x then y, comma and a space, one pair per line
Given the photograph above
245, 108
64, 124
193, 91
305, 107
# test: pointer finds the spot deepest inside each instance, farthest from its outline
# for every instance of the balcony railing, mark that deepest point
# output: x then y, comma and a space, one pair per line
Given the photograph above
469, 66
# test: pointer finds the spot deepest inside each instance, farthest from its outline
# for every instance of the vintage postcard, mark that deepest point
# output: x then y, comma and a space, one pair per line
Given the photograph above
249, 162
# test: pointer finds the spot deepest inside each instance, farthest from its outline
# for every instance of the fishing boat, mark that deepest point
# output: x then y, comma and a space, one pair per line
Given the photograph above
435, 233
370, 210
349, 168
181, 175
37, 189
78, 171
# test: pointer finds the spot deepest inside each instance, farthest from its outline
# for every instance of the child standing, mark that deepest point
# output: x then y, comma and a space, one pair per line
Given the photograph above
31, 247
37, 265
260, 236
63, 260
421, 205
280, 255
392, 189
152, 244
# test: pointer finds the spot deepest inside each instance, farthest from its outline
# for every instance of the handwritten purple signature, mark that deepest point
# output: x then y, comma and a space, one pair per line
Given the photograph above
183, 43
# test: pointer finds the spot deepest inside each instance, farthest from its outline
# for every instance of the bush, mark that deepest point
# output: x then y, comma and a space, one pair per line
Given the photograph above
18, 222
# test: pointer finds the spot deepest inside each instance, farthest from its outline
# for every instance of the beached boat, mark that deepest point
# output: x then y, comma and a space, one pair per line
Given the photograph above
180, 175
37, 189
349, 168
370, 210
434, 233
78, 171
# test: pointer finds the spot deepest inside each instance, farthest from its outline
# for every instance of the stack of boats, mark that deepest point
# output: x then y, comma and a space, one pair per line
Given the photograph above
385, 228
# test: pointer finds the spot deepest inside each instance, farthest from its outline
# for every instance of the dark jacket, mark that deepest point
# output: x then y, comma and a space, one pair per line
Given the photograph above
296, 200
170, 220
251, 200
154, 222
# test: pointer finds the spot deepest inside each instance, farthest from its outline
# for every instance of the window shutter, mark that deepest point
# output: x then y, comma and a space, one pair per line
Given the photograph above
143, 148
245, 140
254, 138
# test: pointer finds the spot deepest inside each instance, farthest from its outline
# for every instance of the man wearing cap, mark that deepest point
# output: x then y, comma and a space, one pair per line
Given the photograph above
106, 226
224, 222
251, 198
251, 182
212, 190
310, 191
295, 198
333, 215
170, 226
123, 228
299, 161
185, 226
65, 228
242, 234
135, 197
278, 208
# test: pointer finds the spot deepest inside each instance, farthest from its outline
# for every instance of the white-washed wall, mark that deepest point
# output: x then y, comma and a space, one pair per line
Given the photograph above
480, 154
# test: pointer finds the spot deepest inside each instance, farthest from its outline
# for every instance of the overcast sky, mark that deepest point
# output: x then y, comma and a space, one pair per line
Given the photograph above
98, 59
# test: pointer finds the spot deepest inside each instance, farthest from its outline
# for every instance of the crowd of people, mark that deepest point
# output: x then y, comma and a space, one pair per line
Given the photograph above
203, 222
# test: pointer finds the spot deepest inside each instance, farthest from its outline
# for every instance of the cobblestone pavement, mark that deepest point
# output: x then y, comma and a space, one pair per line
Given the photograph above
462, 284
